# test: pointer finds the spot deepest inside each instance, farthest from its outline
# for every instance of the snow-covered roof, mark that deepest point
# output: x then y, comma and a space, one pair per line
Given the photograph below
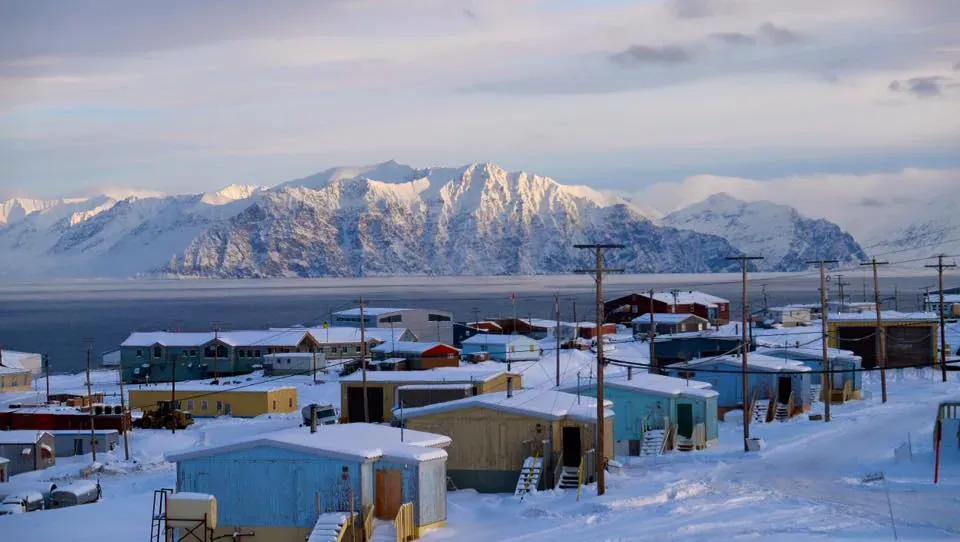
12, 370
485, 338
50, 409
689, 297
806, 353
947, 298
665, 318
14, 359
292, 355
414, 387
388, 361
369, 311
21, 436
366, 442
490, 323
83, 432
788, 308
405, 347
199, 386
457, 375
544, 323
662, 385
754, 362
546, 404
344, 334
267, 337
188, 496
4, 460
886, 316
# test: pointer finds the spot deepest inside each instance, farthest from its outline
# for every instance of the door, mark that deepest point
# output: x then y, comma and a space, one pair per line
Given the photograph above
783, 389
571, 447
685, 420
355, 404
389, 493
78, 446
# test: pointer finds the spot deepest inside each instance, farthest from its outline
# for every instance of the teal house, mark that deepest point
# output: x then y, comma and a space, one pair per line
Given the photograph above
682, 412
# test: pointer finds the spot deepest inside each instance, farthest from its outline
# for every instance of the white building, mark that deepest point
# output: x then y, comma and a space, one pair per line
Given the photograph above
788, 316
503, 347
22, 360
427, 324
301, 363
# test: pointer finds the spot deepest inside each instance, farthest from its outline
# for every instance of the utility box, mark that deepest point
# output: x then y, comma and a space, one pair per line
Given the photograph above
187, 510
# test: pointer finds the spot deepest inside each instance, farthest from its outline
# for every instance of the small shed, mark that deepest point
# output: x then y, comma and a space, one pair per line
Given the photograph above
382, 388
651, 402
4, 466
294, 363
505, 348
846, 367
419, 356
210, 400
77, 442
787, 316
280, 483
774, 379
668, 324
912, 339
494, 434
27, 450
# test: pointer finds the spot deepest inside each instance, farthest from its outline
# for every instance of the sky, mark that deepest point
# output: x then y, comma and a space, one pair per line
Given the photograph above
185, 96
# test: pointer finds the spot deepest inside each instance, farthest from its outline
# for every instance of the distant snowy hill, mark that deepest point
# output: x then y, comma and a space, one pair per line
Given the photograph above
779, 233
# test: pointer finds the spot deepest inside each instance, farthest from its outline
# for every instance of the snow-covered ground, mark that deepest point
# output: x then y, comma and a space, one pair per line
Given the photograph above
806, 484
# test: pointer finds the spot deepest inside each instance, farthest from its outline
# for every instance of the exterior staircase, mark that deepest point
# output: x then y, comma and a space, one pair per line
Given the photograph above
816, 393
328, 527
529, 475
783, 412
685, 444
569, 478
760, 408
384, 531
652, 442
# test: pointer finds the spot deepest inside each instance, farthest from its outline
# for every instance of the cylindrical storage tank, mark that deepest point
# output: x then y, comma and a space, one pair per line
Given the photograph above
185, 510
81, 492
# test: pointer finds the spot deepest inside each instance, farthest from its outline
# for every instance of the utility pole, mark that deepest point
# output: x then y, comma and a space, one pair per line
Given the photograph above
840, 285
598, 272
363, 362
896, 297
46, 374
827, 372
556, 332
93, 432
652, 335
881, 336
216, 353
744, 346
763, 289
576, 323
940, 266
173, 390
123, 416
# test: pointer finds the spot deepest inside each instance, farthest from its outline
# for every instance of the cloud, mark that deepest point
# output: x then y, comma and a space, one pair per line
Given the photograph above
691, 9
734, 38
643, 54
778, 35
922, 87
867, 201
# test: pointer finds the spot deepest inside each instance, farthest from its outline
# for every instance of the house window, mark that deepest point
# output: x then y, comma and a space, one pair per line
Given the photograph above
190, 405
291, 402
344, 349
139, 353
438, 318
157, 352
274, 404
204, 405
219, 406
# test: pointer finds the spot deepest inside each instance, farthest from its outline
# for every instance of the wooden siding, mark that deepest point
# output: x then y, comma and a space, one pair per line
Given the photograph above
901, 350
243, 403
18, 381
273, 487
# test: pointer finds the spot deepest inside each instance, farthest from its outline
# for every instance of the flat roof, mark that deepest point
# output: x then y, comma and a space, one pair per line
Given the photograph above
885, 317
662, 385
488, 338
407, 346
413, 387
546, 404
205, 387
21, 436
665, 318
83, 431
440, 375
13, 358
361, 441
754, 361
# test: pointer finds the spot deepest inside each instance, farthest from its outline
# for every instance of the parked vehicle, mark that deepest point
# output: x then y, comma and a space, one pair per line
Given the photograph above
20, 502
326, 414
81, 492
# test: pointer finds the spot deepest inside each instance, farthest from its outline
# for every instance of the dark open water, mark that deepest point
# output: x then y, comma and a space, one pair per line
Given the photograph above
56, 317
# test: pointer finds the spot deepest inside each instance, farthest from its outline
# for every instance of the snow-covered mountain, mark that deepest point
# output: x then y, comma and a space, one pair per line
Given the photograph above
779, 233
376, 220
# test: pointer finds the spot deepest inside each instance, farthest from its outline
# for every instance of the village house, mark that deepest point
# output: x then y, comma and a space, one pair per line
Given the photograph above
27, 450
210, 400
950, 305
655, 413
668, 324
504, 440
589, 330
282, 486
689, 346
787, 316
782, 385
845, 366
418, 356
383, 389
15, 380
505, 348
70, 442
55, 417
912, 339
26, 361
623, 310
294, 363
426, 324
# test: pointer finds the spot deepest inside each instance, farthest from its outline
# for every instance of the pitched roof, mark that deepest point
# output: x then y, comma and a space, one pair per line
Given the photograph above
360, 441
407, 347
346, 334
688, 297
545, 404
755, 362
487, 338
271, 337
21, 436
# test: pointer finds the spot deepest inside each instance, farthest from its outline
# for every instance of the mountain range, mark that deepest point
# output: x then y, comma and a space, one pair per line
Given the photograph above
392, 219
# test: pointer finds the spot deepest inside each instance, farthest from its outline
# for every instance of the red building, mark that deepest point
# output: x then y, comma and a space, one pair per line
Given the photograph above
53, 418
624, 309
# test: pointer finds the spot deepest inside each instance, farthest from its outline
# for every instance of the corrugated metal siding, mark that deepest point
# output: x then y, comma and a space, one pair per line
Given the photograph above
432, 502
272, 486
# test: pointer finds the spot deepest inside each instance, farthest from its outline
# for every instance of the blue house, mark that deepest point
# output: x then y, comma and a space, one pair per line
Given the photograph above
771, 379
654, 403
845, 366
278, 484
503, 348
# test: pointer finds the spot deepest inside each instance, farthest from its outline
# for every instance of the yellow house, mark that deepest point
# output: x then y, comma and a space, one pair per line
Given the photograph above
15, 379
912, 339
495, 433
204, 400
382, 388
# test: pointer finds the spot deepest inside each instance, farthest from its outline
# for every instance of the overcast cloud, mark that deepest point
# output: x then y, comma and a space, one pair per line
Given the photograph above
183, 95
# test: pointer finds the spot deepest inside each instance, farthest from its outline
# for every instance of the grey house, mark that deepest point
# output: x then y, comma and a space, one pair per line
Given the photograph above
27, 450
69, 442
427, 324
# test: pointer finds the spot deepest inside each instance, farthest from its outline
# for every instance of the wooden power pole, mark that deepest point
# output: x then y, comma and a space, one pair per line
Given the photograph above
363, 362
744, 346
827, 378
652, 336
881, 335
93, 432
557, 333
598, 272
940, 266
46, 374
